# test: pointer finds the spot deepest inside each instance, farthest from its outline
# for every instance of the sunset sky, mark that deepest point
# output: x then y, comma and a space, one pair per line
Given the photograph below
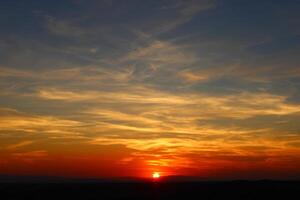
126, 88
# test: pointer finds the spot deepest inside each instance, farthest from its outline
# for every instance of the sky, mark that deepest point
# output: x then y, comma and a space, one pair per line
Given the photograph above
125, 88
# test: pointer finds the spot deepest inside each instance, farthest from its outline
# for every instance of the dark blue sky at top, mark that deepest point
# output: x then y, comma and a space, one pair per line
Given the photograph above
252, 35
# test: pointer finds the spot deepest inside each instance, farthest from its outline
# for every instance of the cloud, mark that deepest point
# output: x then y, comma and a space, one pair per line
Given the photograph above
158, 152
178, 85
134, 94
182, 12
161, 53
10, 72
165, 16
151, 121
64, 27
119, 117
184, 152
19, 145
254, 74
240, 105
192, 7
13, 120
161, 127
30, 156
85, 73
38, 153
193, 77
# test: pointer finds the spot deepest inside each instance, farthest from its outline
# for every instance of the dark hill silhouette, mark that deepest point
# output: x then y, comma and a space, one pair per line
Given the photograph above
46, 188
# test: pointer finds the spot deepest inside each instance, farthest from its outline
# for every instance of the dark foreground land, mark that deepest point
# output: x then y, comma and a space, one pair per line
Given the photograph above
151, 190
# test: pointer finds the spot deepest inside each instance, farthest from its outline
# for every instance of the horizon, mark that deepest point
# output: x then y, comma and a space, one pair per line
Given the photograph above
131, 179
150, 89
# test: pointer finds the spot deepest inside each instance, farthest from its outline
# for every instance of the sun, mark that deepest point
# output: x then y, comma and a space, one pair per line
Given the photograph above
155, 175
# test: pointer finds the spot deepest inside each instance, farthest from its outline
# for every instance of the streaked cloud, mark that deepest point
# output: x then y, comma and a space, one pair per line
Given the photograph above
19, 145
241, 105
161, 54
39, 153
179, 86
14, 120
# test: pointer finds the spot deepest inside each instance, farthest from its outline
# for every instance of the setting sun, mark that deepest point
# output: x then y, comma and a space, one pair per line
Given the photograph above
155, 175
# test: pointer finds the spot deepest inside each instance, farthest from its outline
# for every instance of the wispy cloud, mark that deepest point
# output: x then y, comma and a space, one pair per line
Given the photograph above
85, 73
183, 11
161, 54
138, 94
64, 27
34, 154
14, 120
19, 145
181, 84
240, 105
31, 156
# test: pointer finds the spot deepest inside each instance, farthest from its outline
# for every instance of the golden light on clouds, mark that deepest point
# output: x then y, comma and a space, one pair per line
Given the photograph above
173, 93
163, 129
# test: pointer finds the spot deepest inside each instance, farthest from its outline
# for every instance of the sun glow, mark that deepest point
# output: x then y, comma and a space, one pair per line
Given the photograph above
155, 175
